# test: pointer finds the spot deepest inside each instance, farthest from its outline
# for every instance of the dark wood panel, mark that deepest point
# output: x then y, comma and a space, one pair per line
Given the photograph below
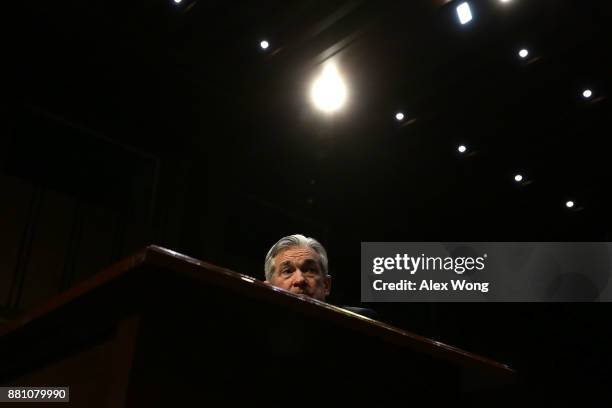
50, 244
95, 239
15, 197
96, 372
135, 234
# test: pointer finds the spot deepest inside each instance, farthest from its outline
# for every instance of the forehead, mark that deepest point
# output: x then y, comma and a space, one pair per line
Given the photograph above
296, 254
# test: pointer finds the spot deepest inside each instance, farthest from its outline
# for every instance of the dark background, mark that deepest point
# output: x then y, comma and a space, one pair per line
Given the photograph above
130, 123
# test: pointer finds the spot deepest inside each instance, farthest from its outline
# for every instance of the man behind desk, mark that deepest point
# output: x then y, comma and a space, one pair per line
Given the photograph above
299, 264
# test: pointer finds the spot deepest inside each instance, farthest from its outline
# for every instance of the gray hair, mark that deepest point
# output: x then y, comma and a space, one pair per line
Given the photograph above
296, 240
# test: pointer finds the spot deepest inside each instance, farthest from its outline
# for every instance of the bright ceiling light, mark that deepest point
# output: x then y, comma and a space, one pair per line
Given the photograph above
399, 116
518, 178
464, 13
177, 1
523, 53
461, 149
587, 93
264, 44
569, 204
328, 91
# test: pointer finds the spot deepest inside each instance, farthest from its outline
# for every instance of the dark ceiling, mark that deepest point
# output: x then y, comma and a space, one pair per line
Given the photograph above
190, 80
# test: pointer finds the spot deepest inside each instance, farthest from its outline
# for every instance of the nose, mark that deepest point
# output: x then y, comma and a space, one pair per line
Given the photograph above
298, 278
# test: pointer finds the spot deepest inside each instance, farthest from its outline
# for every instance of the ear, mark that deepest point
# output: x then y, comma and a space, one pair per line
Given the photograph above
328, 284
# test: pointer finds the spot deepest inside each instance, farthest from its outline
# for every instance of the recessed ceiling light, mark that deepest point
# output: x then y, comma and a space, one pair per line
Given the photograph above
461, 149
177, 1
518, 178
587, 93
399, 116
523, 53
264, 44
569, 204
464, 13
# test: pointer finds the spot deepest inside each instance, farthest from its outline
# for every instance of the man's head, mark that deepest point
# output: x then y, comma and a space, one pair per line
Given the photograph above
299, 264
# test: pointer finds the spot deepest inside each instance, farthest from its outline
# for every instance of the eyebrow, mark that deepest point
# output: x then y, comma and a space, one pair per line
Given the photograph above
306, 262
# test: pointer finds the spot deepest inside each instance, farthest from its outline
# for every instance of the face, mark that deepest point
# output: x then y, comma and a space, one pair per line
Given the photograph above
298, 270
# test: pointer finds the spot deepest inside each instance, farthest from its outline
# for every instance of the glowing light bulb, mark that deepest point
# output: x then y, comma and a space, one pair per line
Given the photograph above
328, 91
